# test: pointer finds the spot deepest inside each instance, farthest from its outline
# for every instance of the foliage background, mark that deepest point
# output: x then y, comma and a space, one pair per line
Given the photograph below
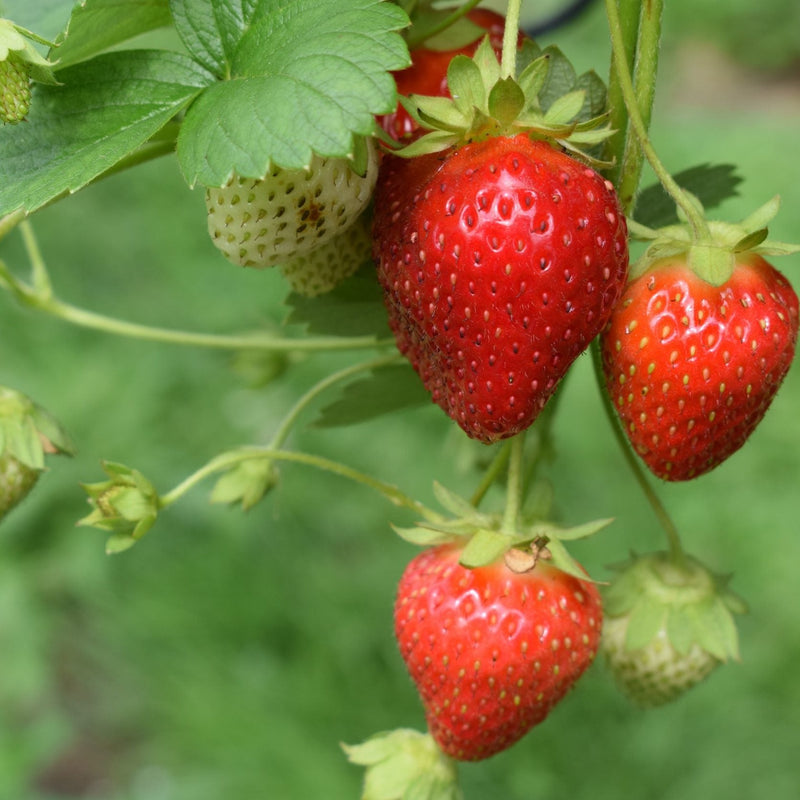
229, 654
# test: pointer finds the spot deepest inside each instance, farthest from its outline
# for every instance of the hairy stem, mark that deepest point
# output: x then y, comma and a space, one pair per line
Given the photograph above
623, 76
508, 63
515, 487
492, 473
315, 391
229, 459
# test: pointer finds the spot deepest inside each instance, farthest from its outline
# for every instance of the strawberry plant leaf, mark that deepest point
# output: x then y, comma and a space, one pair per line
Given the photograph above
384, 391
106, 109
47, 18
305, 77
96, 25
711, 184
211, 29
353, 308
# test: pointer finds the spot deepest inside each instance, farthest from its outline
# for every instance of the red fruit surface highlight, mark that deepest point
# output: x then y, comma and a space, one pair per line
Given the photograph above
492, 651
692, 368
500, 261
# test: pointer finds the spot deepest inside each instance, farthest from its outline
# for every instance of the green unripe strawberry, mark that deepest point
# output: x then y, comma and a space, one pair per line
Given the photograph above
668, 626
16, 480
15, 89
27, 433
265, 222
321, 270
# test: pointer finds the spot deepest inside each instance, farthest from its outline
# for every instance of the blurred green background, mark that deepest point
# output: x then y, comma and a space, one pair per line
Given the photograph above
228, 654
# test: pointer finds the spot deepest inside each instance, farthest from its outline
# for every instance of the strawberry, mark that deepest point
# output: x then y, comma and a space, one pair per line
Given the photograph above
491, 650
427, 74
15, 88
27, 433
267, 221
693, 365
500, 261
668, 626
324, 268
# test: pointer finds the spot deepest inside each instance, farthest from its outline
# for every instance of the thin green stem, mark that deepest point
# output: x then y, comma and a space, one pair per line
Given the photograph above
623, 74
508, 63
645, 70
10, 221
415, 40
664, 519
492, 473
315, 391
225, 461
41, 278
515, 485
630, 13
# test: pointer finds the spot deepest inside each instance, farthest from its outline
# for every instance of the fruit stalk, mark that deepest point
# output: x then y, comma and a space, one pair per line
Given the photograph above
693, 215
508, 64
515, 487
676, 550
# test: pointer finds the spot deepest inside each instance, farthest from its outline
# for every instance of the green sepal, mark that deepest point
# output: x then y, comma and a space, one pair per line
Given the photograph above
126, 505
423, 536
454, 503
485, 547
686, 602
466, 85
566, 108
561, 558
17, 40
246, 483
28, 432
405, 764
506, 101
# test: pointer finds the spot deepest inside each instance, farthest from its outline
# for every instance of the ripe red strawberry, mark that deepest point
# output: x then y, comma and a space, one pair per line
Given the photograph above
692, 367
492, 651
427, 74
500, 261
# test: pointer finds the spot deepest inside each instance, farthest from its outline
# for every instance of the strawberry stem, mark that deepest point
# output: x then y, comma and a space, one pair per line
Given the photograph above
315, 391
490, 476
676, 550
508, 63
693, 214
515, 486
224, 461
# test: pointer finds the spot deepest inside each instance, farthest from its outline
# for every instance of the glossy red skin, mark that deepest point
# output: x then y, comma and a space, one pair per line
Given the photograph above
692, 368
490, 651
427, 74
500, 262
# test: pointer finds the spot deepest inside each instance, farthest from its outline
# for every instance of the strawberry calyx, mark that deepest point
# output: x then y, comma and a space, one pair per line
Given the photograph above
403, 763
712, 251
686, 603
483, 539
28, 432
126, 505
546, 100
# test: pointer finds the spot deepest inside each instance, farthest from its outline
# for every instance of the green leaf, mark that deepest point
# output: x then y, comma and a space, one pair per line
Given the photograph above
96, 25
712, 184
596, 97
454, 37
305, 77
532, 78
560, 557
566, 108
47, 18
383, 391
106, 109
354, 308
680, 628
439, 112
457, 505
211, 29
578, 531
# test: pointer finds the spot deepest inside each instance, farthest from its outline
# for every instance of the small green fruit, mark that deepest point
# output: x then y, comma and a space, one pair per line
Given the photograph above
15, 89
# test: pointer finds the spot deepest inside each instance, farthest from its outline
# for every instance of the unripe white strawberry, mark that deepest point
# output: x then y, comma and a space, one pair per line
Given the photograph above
267, 221
667, 626
322, 269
